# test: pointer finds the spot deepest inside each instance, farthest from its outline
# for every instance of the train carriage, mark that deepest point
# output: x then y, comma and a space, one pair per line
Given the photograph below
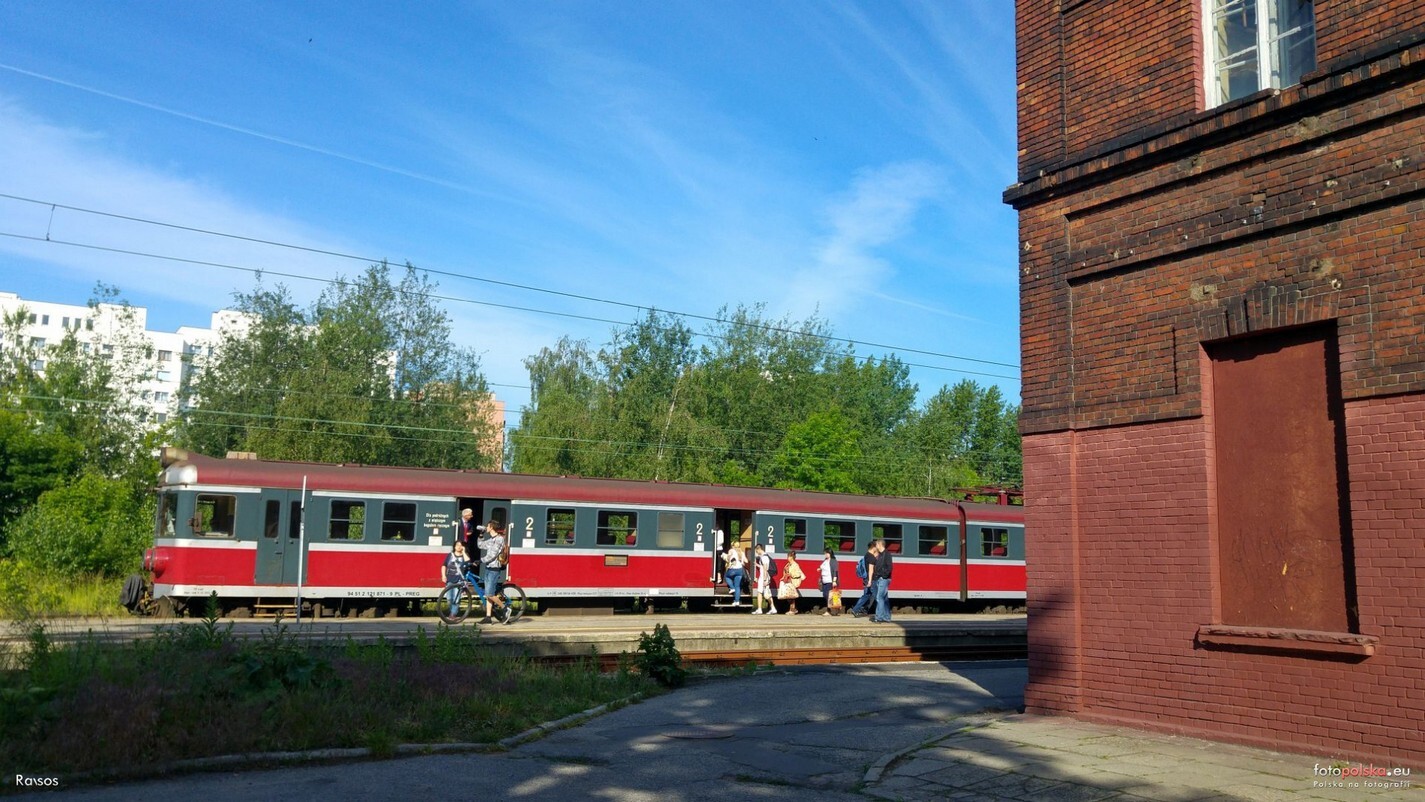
361, 539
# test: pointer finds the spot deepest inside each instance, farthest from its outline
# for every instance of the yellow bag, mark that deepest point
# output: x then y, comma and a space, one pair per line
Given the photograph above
835, 598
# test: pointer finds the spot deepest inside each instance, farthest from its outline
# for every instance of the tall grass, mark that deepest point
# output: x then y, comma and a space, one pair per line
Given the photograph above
27, 593
195, 690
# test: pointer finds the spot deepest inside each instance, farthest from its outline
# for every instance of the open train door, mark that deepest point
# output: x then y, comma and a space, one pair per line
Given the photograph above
736, 526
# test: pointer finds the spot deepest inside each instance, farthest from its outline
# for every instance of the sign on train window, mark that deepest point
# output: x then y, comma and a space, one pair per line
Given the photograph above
994, 542
348, 520
670, 530
214, 516
559, 528
617, 529
935, 541
891, 533
398, 521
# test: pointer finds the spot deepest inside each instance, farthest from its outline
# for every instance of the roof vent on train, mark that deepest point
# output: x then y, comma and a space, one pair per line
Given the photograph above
242, 455
169, 455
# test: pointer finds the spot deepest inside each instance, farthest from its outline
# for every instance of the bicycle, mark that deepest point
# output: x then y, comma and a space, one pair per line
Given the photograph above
470, 596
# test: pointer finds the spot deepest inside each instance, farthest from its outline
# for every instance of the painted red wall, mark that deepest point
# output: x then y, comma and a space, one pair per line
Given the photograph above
1112, 629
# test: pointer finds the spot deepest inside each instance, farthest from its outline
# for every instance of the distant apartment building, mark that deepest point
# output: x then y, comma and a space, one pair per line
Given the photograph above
172, 353
102, 327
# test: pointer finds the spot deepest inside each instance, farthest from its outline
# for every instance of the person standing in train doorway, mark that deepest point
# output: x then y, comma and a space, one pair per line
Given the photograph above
881, 581
733, 562
468, 530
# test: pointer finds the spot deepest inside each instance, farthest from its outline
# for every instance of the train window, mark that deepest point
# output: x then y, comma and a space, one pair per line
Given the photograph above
839, 536
272, 519
215, 515
348, 520
559, 528
934, 540
994, 542
670, 530
891, 533
167, 514
794, 534
398, 521
617, 529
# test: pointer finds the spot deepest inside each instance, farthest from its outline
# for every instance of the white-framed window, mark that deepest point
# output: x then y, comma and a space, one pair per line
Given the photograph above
1257, 44
165, 356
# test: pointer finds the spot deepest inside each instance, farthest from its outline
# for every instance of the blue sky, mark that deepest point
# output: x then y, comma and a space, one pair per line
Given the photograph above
845, 158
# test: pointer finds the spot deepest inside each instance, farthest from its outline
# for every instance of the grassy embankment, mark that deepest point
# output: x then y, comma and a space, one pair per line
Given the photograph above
195, 690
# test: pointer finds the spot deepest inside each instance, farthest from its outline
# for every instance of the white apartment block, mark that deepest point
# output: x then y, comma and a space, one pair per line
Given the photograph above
173, 353
49, 322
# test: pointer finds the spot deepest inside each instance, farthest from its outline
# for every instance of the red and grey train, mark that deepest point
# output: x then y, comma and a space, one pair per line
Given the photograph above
351, 539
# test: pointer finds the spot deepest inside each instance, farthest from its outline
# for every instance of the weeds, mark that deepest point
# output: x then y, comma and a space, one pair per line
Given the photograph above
198, 690
659, 658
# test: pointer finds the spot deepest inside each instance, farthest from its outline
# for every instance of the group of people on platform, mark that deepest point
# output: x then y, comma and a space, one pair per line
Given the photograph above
770, 586
494, 555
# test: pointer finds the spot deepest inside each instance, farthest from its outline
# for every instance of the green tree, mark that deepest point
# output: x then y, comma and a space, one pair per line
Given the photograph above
31, 462
93, 524
819, 453
369, 374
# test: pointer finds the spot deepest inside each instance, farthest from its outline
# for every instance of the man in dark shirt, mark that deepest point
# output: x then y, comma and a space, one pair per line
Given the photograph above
881, 581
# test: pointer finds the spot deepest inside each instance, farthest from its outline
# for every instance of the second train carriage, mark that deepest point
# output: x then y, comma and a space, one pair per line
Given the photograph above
360, 538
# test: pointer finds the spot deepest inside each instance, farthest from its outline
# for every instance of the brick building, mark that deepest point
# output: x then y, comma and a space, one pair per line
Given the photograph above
1222, 225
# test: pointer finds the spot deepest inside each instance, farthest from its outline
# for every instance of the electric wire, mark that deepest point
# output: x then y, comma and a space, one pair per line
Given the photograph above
486, 280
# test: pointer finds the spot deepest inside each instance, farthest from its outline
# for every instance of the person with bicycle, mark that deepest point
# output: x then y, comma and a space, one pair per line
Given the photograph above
453, 573
494, 554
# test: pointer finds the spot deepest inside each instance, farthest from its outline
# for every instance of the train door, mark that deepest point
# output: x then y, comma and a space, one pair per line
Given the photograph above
279, 547
735, 526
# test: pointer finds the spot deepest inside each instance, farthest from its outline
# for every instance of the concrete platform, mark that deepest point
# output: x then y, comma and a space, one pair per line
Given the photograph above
936, 636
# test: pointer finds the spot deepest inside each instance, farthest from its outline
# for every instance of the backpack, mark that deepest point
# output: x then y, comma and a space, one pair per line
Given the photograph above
771, 567
504, 556
861, 569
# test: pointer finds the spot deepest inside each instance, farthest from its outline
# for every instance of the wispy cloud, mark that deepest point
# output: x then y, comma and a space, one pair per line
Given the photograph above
878, 208
79, 168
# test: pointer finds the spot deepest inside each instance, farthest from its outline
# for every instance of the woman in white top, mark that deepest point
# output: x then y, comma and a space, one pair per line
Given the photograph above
736, 562
829, 578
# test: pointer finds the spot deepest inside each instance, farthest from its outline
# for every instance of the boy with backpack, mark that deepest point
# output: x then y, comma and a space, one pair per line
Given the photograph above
766, 575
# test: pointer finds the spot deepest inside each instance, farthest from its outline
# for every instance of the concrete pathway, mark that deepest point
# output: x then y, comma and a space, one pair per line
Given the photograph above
830, 734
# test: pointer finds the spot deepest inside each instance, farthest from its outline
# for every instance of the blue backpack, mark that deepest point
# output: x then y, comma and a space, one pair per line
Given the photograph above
861, 569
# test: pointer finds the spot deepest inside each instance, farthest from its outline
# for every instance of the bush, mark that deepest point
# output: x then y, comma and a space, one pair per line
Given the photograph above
91, 525
659, 658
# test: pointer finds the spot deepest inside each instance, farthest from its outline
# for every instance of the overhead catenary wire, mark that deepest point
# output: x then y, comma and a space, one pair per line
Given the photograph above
488, 280
456, 299
384, 431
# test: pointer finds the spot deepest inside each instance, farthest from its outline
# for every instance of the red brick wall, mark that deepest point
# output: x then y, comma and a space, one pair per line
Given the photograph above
1112, 633
1345, 29
1103, 73
1148, 228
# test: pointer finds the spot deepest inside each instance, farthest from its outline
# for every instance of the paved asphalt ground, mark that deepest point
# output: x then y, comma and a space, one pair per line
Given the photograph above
805, 733
923, 731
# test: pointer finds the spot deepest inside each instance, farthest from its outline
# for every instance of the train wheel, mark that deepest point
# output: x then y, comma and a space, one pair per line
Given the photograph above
515, 598
165, 607
464, 603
